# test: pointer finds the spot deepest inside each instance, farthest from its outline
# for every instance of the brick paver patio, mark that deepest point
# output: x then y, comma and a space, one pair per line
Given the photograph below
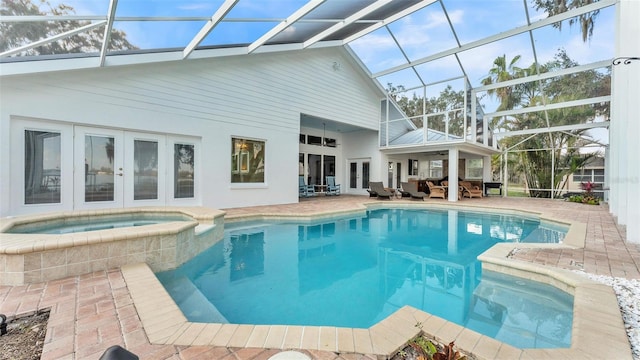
89, 313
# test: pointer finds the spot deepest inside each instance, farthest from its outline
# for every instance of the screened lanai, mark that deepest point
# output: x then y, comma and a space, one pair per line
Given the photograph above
494, 74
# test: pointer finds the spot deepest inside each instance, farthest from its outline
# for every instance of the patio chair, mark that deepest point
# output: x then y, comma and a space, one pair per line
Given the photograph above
436, 191
332, 187
469, 190
305, 190
379, 190
445, 184
412, 190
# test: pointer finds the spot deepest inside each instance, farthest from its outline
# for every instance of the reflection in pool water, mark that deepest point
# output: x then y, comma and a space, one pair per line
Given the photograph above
354, 272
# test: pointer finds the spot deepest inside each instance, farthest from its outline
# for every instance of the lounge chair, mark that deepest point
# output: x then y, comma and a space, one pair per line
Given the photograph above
332, 188
469, 190
305, 190
379, 190
436, 191
412, 190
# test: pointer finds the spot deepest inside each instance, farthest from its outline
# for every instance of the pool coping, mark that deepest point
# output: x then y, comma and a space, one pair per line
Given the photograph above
596, 315
32, 257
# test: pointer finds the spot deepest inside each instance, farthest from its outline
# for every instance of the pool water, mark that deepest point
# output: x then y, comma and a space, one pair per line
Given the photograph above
356, 271
75, 225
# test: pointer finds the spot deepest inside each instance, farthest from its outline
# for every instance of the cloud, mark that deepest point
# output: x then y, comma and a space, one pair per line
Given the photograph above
195, 6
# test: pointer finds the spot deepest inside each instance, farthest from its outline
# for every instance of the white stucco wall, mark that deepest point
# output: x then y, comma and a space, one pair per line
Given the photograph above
624, 149
361, 145
257, 96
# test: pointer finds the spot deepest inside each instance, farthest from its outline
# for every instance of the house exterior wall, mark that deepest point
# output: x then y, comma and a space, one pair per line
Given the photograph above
595, 175
362, 146
624, 149
259, 96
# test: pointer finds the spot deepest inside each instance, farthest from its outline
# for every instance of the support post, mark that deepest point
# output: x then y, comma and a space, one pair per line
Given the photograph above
453, 174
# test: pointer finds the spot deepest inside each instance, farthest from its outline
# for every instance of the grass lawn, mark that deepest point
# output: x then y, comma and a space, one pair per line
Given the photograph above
517, 191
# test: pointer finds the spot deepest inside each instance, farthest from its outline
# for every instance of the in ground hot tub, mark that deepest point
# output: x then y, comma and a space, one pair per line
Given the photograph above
46, 247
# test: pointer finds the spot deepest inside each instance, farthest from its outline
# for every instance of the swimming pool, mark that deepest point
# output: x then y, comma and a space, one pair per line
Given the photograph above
356, 271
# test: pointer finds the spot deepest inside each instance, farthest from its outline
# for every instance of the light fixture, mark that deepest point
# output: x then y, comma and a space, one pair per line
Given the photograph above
336, 66
623, 60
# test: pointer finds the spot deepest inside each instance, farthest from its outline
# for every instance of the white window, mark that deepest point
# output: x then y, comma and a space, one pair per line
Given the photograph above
435, 169
473, 169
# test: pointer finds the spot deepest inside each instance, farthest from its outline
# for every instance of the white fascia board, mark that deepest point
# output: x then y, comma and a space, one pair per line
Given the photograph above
389, 20
364, 68
295, 46
349, 20
32, 67
206, 29
27, 67
119, 60
277, 48
36, 18
51, 39
307, 8
221, 52
503, 35
324, 44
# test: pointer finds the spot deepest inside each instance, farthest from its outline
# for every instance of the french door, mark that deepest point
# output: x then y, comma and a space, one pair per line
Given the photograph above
65, 167
105, 178
359, 171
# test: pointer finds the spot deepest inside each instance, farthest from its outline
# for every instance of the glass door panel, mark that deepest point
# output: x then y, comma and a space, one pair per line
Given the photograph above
99, 174
315, 170
42, 168
365, 174
145, 174
99, 168
184, 171
353, 175
42, 164
329, 166
358, 170
144, 169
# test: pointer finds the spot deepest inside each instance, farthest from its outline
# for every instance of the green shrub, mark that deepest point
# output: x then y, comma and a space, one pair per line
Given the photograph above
585, 199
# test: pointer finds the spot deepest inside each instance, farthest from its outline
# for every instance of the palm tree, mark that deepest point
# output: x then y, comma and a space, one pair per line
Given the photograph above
509, 96
503, 71
537, 165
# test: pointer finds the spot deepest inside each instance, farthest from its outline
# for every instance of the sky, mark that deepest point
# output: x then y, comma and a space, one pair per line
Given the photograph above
420, 34
423, 33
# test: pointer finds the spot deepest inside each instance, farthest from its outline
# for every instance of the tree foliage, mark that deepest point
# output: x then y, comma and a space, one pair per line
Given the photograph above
417, 106
555, 150
16, 34
555, 7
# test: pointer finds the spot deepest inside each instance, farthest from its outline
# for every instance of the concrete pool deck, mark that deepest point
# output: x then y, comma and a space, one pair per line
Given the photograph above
91, 312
